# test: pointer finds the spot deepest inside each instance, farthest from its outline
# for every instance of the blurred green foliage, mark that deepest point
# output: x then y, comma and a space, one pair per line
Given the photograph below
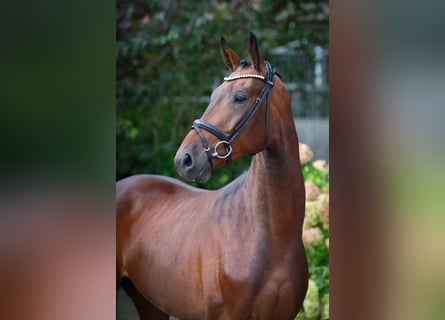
319, 177
168, 63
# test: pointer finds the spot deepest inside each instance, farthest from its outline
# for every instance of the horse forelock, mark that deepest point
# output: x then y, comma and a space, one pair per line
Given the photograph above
245, 63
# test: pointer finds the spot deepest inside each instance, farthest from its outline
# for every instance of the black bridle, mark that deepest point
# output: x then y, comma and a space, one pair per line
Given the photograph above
227, 140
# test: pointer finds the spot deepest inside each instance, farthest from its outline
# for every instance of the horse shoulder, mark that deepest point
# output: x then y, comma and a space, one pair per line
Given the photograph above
138, 199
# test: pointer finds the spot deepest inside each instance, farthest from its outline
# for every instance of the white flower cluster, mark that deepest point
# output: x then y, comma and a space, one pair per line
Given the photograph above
317, 212
315, 236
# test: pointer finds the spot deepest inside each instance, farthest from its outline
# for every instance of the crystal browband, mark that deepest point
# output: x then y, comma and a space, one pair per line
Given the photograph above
242, 76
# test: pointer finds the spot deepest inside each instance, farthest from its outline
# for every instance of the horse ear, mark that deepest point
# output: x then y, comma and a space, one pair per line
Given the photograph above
254, 53
231, 59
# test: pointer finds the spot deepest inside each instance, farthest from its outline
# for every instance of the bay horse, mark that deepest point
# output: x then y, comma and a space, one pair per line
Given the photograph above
233, 253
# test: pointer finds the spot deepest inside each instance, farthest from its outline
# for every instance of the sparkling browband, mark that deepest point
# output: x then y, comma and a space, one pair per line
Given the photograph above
242, 76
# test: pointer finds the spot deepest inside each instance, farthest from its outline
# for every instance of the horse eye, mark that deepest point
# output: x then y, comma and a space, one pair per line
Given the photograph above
239, 98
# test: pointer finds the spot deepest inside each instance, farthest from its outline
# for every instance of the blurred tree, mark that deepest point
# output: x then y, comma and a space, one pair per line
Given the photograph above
168, 63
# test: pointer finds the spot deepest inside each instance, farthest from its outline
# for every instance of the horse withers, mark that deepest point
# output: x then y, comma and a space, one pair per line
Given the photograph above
233, 253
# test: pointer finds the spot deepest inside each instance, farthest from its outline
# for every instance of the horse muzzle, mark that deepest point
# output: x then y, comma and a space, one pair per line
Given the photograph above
192, 165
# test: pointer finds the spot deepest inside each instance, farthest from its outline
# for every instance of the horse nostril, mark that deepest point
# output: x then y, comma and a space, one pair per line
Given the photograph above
187, 161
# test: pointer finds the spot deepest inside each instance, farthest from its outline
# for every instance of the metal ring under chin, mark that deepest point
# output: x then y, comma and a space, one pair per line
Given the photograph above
228, 149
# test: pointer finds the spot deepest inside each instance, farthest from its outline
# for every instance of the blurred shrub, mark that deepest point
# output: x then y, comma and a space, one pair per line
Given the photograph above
316, 238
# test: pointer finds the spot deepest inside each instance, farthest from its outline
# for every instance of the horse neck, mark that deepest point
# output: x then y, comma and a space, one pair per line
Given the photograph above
277, 182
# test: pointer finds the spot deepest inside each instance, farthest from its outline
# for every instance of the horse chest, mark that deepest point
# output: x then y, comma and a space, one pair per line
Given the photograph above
243, 251
251, 271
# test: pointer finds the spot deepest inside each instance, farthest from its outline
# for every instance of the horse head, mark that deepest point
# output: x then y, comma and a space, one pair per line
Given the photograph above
238, 120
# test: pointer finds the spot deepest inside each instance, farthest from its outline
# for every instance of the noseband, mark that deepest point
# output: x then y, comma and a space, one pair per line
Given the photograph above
227, 140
